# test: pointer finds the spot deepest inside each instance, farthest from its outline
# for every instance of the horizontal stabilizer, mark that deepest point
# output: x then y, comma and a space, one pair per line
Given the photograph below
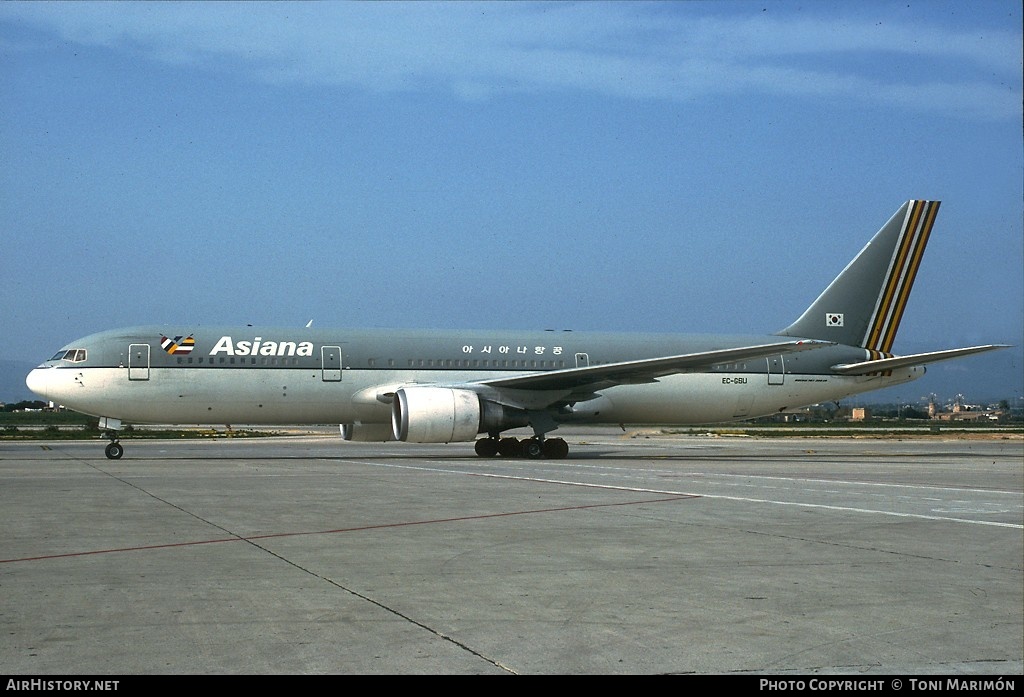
866, 367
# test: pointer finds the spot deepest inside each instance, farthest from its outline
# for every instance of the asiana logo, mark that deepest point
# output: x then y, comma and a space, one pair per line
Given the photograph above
260, 347
178, 346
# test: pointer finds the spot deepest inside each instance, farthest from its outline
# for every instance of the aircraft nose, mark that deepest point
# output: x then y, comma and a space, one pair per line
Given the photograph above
37, 381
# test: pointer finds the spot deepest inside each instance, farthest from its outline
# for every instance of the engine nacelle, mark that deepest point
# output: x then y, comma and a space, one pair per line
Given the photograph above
435, 415
367, 433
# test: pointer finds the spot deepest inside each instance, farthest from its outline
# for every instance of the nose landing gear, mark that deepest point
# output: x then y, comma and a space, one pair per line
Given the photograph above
114, 449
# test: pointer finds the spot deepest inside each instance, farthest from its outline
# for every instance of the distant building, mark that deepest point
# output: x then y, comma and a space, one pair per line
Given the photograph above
970, 415
966, 412
860, 414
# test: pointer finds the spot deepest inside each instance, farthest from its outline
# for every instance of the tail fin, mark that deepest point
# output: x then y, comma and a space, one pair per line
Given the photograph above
863, 306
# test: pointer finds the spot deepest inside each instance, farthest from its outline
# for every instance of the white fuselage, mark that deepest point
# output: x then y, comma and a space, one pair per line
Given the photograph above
184, 395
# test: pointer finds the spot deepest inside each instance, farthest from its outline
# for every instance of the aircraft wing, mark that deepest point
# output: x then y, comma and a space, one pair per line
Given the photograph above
866, 367
647, 370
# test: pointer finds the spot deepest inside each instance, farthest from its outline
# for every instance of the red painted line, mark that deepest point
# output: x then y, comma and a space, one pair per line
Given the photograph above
342, 530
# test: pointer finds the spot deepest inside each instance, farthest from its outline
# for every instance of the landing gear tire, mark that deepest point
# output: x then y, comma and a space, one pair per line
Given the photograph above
555, 448
114, 450
486, 447
533, 448
509, 447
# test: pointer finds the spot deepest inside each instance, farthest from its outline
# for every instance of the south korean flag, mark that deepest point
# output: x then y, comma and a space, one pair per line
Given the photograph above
833, 319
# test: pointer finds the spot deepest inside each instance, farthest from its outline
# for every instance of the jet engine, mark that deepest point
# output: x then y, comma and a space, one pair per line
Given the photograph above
447, 415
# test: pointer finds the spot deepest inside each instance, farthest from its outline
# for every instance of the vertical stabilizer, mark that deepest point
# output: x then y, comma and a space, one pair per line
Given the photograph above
863, 306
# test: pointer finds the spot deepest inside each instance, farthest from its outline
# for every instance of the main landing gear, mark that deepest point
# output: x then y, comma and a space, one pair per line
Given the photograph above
533, 448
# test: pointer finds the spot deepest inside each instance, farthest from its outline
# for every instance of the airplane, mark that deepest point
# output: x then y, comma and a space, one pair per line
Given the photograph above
440, 386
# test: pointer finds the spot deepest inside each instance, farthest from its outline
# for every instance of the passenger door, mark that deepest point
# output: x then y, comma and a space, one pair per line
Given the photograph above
138, 362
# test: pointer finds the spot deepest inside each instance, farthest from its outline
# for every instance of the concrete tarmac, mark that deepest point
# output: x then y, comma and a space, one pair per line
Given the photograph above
635, 555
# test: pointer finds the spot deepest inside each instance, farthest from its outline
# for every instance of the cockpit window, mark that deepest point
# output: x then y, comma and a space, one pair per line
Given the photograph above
73, 355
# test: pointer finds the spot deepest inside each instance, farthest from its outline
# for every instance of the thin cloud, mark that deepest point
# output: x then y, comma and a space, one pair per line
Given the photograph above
673, 51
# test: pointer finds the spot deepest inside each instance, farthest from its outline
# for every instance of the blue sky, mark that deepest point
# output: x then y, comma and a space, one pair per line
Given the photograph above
691, 166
